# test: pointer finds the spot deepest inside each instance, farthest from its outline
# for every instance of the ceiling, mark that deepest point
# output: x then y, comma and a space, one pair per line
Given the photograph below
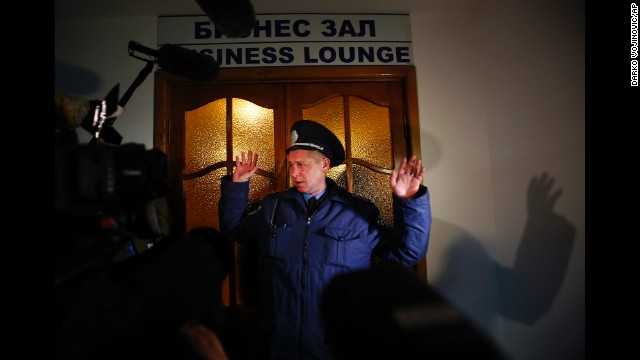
137, 8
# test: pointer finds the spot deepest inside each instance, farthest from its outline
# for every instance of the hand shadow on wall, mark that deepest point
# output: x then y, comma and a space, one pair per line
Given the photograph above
526, 290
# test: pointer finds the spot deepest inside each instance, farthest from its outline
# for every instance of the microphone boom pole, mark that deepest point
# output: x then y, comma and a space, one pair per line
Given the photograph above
109, 133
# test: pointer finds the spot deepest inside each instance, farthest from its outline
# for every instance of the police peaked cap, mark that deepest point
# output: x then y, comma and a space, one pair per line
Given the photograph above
310, 135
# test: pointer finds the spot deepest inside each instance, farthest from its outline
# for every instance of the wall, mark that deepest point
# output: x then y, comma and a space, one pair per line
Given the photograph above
501, 94
501, 101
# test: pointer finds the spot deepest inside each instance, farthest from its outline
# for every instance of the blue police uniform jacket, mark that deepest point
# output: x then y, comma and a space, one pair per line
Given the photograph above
299, 253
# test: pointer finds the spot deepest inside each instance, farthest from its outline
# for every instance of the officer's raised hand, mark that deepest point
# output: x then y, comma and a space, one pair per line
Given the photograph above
406, 182
246, 167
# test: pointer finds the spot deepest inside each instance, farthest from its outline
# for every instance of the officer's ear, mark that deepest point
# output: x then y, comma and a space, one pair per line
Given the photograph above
326, 163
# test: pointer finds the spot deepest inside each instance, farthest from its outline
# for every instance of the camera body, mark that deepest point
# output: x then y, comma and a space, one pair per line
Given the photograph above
104, 177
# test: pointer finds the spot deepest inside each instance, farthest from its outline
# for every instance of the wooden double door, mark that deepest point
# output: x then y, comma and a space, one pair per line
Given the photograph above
203, 126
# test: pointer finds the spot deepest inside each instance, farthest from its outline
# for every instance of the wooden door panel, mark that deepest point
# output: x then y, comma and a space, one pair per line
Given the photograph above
365, 114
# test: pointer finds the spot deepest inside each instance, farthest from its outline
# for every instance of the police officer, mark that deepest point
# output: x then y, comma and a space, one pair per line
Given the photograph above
315, 230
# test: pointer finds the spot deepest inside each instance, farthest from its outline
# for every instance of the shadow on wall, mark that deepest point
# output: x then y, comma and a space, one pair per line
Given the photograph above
528, 288
524, 292
75, 79
432, 150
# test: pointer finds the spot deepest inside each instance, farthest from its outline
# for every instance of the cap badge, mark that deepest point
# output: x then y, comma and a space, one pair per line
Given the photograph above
294, 137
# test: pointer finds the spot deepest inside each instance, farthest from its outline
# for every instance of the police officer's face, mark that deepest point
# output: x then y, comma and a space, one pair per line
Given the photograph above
308, 170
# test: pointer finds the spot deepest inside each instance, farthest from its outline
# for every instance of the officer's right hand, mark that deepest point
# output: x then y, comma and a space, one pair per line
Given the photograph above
246, 167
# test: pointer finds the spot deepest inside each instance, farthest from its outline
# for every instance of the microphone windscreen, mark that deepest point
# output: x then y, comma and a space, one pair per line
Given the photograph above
233, 18
187, 63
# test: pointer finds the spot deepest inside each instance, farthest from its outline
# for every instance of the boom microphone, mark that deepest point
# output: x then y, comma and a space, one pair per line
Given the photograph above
233, 18
180, 61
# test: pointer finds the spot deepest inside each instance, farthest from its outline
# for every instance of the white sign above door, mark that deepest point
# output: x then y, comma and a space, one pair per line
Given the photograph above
297, 39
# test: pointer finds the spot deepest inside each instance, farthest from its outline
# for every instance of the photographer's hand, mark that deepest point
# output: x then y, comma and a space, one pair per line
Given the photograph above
246, 167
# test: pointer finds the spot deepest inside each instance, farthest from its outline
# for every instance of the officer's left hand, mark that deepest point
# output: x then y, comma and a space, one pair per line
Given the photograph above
407, 180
